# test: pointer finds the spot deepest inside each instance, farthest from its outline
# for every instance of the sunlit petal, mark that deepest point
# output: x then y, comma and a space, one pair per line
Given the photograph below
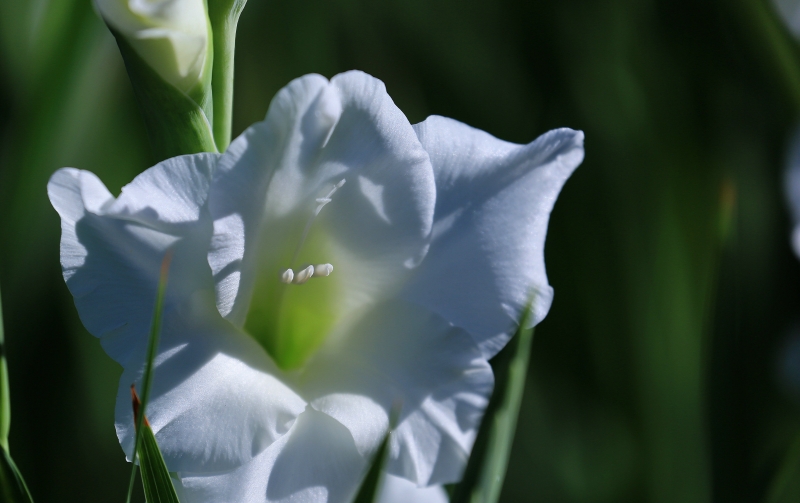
494, 198
316, 134
315, 462
111, 249
405, 357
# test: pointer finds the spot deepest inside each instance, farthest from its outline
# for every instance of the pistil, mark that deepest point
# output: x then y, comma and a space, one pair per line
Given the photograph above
321, 202
291, 322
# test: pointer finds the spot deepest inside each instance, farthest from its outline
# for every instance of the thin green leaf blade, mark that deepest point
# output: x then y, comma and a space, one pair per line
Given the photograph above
140, 420
371, 483
486, 469
5, 400
368, 492
12, 485
158, 487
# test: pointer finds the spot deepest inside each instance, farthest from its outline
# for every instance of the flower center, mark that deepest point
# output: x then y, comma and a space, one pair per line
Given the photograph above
293, 308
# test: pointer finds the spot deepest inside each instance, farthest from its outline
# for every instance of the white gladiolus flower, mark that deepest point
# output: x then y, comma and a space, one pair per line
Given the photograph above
172, 36
413, 251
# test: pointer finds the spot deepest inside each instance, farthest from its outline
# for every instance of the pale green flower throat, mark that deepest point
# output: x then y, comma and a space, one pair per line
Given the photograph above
293, 308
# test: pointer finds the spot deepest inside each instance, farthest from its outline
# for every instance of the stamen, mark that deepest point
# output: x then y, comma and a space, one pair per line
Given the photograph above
303, 275
322, 270
287, 275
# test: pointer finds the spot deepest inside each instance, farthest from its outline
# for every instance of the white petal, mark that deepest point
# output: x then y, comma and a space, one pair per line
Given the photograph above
217, 400
316, 134
399, 490
111, 250
173, 191
494, 198
403, 355
316, 462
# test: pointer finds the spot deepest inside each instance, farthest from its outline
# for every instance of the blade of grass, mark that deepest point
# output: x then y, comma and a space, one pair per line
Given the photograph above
147, 378
486, 469
5, 401
157, 483
12, 485
368, 492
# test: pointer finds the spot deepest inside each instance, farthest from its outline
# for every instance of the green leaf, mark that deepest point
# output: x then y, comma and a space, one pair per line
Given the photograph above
486, 469
5, 401
368, 492
152, 466
785, 485
12, 486
177, 123
156, 480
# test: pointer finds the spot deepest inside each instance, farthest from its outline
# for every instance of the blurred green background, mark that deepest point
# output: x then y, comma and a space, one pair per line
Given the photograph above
657, 376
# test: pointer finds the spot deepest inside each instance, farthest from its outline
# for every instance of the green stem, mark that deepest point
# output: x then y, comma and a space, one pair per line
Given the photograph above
224, 17
5, 403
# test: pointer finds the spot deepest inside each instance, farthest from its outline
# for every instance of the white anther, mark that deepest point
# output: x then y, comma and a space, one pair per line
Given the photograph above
322, 270
303, 275
287, 275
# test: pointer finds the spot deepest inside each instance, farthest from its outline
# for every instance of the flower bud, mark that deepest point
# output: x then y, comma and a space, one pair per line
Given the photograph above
172, 36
